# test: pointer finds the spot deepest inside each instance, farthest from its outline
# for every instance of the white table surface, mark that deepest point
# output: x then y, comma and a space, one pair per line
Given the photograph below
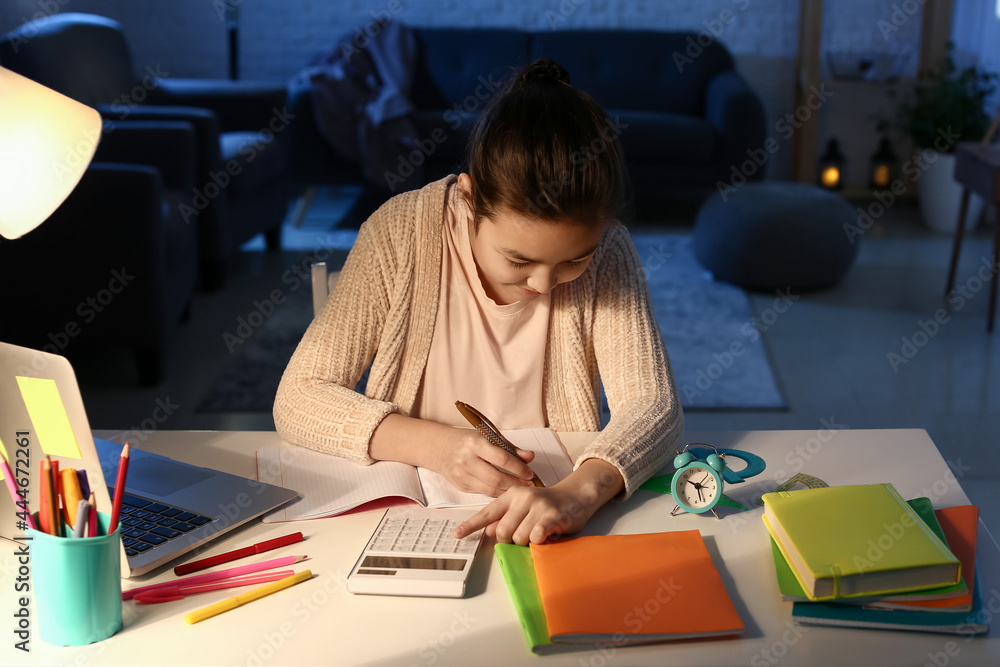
320, 622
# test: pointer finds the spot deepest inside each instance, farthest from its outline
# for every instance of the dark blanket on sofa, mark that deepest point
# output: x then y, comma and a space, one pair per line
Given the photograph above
362, 99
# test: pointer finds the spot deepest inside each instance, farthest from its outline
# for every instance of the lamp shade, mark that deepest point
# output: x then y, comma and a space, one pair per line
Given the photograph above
46, 142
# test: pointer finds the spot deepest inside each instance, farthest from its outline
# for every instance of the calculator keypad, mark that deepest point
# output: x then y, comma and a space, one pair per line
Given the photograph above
422, 535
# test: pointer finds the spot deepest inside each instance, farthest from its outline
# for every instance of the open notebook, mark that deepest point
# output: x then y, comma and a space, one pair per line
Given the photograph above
329, 485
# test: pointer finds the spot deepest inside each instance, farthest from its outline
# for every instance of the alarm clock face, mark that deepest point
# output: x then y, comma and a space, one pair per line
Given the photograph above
697, 487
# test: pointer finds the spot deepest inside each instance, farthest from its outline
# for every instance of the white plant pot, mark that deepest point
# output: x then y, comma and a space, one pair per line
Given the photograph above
941, 197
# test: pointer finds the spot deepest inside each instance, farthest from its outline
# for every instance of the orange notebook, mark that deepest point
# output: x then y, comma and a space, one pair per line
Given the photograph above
632, 589
960, 525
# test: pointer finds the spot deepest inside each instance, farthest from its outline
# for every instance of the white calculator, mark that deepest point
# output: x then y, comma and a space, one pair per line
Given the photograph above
412, 552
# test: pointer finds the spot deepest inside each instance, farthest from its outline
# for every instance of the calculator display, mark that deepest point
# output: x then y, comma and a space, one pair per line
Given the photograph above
414, 562
413, 552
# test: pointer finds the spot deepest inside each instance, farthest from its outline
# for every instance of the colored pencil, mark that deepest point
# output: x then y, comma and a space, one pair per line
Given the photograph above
116, 505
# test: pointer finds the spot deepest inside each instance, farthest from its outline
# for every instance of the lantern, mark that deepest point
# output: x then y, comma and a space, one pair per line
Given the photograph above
831, 166
882, 166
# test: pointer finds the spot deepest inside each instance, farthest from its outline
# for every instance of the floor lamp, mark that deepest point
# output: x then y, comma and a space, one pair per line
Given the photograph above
46, 142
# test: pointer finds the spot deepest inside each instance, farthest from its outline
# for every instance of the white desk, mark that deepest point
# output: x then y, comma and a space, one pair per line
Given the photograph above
319, 622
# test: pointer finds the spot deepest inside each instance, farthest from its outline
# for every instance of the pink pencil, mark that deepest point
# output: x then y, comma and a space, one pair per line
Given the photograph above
216, 576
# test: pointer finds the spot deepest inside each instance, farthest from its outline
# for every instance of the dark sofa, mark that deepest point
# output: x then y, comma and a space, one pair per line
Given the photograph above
685, 117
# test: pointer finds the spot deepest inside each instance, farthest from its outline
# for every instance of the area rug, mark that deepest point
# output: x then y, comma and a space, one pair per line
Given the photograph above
717, 354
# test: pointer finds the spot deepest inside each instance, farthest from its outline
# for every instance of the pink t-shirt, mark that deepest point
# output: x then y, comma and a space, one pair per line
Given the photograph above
488, 355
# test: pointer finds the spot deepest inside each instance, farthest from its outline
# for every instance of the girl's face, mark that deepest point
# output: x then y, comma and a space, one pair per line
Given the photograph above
520, 258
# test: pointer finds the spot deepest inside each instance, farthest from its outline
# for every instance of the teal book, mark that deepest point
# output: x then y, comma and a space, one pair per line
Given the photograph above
851, 616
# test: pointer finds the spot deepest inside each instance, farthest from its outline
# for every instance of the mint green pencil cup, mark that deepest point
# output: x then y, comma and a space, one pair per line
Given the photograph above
77, 586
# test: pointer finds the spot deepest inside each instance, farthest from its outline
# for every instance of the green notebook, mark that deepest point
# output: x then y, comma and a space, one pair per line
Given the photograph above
519, 572
791, 590
857, 541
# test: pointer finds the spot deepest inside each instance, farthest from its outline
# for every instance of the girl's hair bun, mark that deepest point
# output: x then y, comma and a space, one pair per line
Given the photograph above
545, 70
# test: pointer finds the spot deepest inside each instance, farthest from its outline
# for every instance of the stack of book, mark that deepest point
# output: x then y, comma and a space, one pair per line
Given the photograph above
587, 592
861, 556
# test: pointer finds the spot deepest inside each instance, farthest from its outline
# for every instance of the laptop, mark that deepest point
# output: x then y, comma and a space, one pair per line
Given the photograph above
169, 507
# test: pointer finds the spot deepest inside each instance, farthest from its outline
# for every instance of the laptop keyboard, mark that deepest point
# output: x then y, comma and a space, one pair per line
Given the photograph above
146, 524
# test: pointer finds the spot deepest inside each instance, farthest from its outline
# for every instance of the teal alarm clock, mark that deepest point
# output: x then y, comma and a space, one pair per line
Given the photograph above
697, 484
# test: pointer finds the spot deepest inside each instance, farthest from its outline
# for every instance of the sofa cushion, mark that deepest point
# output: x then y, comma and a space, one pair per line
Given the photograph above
647, 137
636, 69
464, 67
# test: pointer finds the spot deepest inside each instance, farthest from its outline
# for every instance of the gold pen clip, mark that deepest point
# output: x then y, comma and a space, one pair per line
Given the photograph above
491, 433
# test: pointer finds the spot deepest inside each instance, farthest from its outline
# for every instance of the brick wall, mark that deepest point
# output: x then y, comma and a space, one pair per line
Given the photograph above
184, 37
277, 37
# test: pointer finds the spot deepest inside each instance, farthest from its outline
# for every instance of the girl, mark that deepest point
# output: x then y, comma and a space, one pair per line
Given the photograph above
511, 287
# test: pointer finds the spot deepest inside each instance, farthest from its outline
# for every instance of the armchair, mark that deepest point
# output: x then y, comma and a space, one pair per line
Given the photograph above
115, 265
240, 163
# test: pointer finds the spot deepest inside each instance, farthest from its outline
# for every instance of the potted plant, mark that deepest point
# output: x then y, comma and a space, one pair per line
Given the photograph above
948, 106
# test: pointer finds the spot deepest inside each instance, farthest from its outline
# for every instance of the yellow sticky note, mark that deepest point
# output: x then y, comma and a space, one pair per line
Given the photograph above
48, 416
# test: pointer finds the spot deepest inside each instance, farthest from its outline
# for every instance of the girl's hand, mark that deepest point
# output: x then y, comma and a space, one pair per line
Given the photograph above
530, 514
472, 464
462, 455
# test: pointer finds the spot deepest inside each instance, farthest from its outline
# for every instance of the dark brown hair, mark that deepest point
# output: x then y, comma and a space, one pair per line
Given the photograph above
546, 150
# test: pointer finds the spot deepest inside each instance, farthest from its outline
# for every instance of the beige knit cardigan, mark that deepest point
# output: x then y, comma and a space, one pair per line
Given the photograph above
383, 312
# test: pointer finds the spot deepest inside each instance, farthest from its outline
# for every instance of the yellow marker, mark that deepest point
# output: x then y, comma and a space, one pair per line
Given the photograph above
3, 452
240, 600
72, 495
48, 416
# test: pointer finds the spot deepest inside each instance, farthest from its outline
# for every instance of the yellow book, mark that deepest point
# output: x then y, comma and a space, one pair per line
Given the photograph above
850, 541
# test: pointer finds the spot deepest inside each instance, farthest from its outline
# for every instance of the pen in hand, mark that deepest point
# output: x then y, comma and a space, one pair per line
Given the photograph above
491, 433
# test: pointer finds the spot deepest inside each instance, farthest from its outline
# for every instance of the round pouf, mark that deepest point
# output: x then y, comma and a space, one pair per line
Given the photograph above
776, 235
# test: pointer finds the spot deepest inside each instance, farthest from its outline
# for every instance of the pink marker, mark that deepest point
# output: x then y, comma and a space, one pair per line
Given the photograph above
217, 576
92, 525
172, 593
